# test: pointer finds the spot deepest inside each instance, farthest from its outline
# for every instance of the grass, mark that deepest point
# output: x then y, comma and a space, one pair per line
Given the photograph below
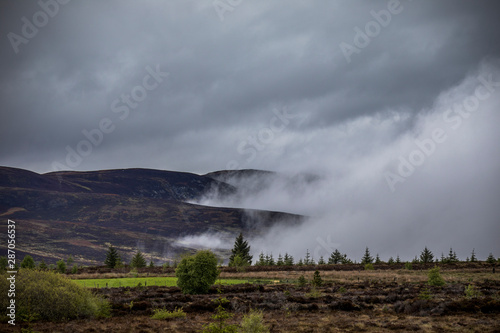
167, 281
163, 314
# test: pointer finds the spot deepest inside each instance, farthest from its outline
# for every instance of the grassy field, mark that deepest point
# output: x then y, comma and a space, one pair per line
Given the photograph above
165, 281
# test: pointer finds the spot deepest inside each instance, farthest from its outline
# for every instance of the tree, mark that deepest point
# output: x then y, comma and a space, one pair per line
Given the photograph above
42, 266
321, 261
426, 256
473, 256
398, 261
490, 259
452, 256
112, 257
435, 278
61, 266
195, 274
70, 260
151, 264
335, 258
317, 281
270, 260
28, 262
307, 259
262, 260
377, 259
390, 261
138, 260
280, 261
288, 259
367, 258
242, 249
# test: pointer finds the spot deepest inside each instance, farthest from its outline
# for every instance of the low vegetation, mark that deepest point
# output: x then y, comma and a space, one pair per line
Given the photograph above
51, 296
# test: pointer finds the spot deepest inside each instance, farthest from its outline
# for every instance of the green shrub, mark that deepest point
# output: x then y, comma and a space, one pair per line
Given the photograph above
50, 296
435, 278
408, 266
28, 262
369, 267
253, 322
195, 274
342, 290
61, 266
472, 292
317, 281
162, 314
302, 281
425, 294
220, 317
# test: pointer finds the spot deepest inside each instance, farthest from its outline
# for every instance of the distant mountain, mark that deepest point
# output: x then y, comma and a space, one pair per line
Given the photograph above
80, 213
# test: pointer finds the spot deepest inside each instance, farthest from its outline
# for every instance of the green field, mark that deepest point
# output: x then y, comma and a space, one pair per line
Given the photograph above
144, 281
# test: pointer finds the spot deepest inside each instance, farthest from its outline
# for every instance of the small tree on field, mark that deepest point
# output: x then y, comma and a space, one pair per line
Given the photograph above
367, 258
398, 261
435, 278
242, 249
377, 259
70, 260
321, 261
61, 266
288, 259
426, 256
112, 257
28, 262
280, 261
138, 260
473, 256
390, 261
262, 260
301, 281
307, 259
335, 258
195, 274
42, 266
490, 259
317, 281
151, 264
239, 263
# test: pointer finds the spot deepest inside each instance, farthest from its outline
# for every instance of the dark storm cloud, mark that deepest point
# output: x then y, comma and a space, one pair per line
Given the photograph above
260, 84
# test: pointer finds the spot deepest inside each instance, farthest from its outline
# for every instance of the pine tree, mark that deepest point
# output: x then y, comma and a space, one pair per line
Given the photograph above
261, 261
377, 259
317, 281
335, 258
242, 249
398, 261
112, 257
288, 259
151, 264
473, 256
28, 262
390, 261
307, 259
490, 259
321, 261
367, 258
138, 260
300, 263
426, 256
270, 260
70, 260
452, 256
42, 266
280, 261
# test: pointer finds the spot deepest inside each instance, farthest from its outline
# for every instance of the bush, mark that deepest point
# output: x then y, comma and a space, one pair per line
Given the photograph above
435, 278
317, 281
50, 296
61, 266
302, 281
162, 314
195, 274
369, 267
408, 266
28, 262
253, 322
472, 292
220, 318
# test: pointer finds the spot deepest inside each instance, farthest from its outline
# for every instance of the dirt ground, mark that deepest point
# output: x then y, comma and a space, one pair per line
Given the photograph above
352, 302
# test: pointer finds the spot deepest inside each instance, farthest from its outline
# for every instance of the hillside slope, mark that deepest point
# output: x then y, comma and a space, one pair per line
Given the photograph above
80, 213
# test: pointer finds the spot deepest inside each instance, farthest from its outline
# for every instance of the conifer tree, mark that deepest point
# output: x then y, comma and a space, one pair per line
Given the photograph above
426, 256
288, 259
335, 257
261, 261
398, 261
473, 256
390, 261
280, 261
490, 259
367, 258
42, 265
138, 260
307, 259
28, 262
112, 257
377, 259
321, 261
242, 249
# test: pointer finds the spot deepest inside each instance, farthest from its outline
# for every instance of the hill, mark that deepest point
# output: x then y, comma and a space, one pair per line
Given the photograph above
80, 213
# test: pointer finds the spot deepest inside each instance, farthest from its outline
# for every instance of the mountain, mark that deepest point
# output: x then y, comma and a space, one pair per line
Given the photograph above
81, 213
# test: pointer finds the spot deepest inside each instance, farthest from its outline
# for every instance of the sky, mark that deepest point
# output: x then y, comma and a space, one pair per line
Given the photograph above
394, 104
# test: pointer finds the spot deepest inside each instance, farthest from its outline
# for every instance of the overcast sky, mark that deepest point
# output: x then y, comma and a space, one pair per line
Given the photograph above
395, 104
